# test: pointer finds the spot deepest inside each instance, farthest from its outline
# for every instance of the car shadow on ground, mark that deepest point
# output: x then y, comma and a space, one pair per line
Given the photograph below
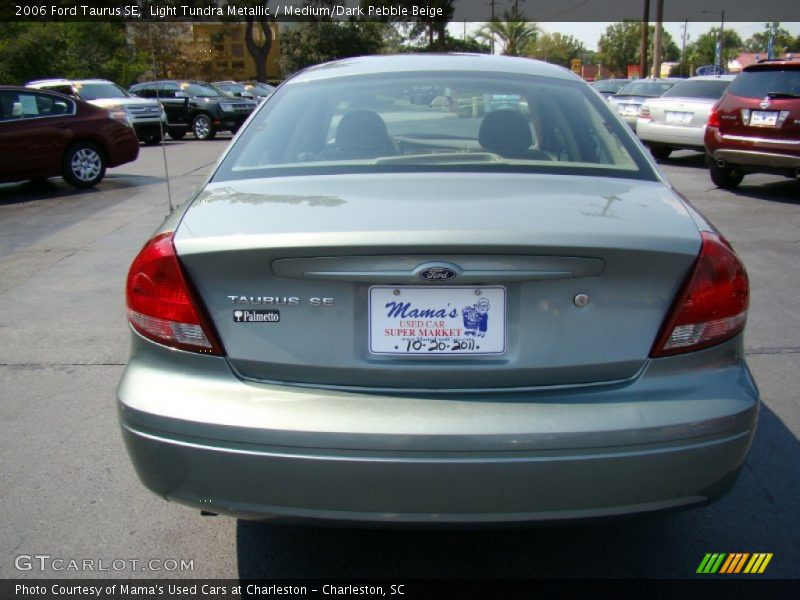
687, 158
784, 191
758, 515
17, 193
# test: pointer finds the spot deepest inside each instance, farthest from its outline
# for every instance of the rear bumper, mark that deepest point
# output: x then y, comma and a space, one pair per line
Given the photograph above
199, 436
670, 135
124, 147
755, 158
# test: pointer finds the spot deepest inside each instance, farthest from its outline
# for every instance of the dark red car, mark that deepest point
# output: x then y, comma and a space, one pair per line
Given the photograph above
755, 126
45, 134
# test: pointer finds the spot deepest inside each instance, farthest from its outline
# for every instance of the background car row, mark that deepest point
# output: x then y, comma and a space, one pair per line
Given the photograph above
197, 107
174, 107
748, 123
76, 129
47, 134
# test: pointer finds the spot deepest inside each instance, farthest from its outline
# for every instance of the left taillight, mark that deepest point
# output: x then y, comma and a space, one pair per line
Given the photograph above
162, 305
713, 118
644, 112
712, 305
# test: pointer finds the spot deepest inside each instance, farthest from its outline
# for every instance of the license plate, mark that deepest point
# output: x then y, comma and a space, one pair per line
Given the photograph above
629, 110
437, 321
678, 118
763, 118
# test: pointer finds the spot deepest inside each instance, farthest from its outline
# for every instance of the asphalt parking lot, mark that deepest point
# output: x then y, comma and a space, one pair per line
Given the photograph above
67, 489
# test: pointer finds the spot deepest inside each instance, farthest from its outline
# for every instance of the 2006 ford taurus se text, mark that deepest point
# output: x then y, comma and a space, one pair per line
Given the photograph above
437, 289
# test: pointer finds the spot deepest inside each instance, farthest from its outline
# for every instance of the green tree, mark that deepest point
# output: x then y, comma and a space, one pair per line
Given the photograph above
450, 44
513, 32
620, 46
313, 42
703, 50
173, 53
429, 32
759, 42
556, 48
37, 50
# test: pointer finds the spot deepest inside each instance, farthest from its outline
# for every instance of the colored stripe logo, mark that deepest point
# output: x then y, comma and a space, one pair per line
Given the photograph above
734, 563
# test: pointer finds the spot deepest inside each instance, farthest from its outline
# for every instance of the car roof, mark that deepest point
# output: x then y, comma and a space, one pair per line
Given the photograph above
766, 65
69, 81
399, 63
727, 77
171, 81
25, 88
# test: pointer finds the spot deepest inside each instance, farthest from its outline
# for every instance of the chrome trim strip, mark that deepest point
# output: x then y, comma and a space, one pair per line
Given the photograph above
577, 453
743, 138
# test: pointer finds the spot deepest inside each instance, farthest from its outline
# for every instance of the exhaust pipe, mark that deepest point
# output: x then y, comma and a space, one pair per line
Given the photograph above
797, 173
721, 163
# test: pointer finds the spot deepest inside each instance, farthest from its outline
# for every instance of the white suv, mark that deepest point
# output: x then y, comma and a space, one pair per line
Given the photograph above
147, 117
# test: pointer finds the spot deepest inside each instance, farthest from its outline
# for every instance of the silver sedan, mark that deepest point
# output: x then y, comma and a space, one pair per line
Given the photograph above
628, 100
477, 304
677, 120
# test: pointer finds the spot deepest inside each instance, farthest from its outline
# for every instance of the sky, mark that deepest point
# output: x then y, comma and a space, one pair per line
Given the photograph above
589, 33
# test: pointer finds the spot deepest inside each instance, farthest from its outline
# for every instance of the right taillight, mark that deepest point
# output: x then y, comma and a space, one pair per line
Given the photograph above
644, 112
713, 118
162, 305
712, 305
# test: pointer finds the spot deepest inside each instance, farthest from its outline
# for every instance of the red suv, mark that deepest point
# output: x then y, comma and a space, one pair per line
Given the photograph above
755, 126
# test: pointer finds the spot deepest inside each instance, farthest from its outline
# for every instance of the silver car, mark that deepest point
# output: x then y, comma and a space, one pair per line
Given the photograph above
147, 117
629, 99
384, 311
677, 120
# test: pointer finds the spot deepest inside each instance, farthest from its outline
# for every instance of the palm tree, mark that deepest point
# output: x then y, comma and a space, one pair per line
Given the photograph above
513, 32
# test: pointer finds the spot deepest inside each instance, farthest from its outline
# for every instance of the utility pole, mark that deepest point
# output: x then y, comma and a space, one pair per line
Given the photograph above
720, 42
657, 39
643, 45
683, 44
491, 41
771, 43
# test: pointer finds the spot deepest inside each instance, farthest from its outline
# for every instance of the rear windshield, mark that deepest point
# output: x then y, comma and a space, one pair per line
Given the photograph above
434, 122
97, 91
710, 89
608, 85
645, 88
761, 83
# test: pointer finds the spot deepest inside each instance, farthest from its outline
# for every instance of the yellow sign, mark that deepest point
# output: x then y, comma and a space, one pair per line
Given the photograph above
576, 65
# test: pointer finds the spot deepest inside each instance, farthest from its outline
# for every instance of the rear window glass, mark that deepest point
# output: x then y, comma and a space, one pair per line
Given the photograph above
646, 88
440, 121
608, 85
758, 84
710, 89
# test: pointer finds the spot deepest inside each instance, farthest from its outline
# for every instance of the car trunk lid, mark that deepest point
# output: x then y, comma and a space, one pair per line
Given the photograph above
303, 277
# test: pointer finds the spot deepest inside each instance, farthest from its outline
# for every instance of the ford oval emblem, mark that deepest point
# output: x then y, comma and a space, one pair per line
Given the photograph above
437, 274
764, 103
